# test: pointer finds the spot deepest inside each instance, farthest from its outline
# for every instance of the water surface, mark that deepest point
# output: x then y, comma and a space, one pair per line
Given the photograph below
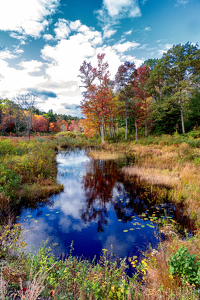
97, 210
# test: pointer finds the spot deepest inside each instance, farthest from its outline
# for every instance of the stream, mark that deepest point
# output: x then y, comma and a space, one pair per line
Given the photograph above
97, 210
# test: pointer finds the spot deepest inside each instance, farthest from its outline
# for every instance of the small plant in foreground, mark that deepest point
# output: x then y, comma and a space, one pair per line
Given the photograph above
185, 265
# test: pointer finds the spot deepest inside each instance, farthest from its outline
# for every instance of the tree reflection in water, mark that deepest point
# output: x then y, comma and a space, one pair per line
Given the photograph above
98, 183
104, 187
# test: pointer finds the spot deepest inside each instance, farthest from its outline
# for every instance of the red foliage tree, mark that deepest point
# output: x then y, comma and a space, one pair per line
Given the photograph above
141, 95
39, 124
53, 127
97, 98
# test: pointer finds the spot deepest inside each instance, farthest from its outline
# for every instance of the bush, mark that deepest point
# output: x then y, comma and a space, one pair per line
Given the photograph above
185, 265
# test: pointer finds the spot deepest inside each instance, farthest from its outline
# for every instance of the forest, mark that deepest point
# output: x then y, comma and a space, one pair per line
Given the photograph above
21, 117
160, 97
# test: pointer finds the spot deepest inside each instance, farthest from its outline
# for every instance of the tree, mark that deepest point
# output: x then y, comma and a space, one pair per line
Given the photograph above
53, 127
39, 124
141, 95
97, 97
123, 80
179, 64
26, 104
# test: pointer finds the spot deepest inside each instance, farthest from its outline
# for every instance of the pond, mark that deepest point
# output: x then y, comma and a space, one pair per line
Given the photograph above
97, 210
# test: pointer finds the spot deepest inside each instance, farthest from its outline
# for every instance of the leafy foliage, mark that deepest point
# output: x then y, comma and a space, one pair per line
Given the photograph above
185, 265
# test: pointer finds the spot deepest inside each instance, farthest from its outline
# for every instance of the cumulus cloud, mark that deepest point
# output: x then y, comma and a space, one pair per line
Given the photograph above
31, 66
148, 28
122, 8
54, 78
62, 29
18, 80
107, 33
125, 46
75, 25
164, 48
26, 17
48, 37
136, 61
6, 54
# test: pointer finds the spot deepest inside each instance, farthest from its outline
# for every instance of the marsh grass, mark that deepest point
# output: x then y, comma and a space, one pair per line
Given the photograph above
27, 170
106, 155
75, 139
152, 176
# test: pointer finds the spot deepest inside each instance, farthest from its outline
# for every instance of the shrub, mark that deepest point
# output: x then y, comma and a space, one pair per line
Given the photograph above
185, 265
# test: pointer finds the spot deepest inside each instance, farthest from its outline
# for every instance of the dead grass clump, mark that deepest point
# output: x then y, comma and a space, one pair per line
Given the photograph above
106, 155
153, 176
39, 190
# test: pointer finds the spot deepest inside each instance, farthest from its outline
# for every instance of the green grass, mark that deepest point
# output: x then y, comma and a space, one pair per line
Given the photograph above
27, 170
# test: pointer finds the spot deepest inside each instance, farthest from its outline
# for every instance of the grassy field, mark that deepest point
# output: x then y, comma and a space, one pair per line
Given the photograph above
172, 271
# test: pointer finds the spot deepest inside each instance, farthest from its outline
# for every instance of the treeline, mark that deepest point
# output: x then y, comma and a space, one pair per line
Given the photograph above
161, 96
21, 117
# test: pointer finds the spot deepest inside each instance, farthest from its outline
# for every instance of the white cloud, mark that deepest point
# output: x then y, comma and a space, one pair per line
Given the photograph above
125, 46
128, 32
75, 25
122, 7
16, 81
19, 51
62, 29
107, 33
164, 49
48, 37
26, 17
59, 68
147, 28
6, 55
137, 62
143, 46
31, 66
17, 36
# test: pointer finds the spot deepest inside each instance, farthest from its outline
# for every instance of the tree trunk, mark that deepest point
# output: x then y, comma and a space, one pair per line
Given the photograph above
102, 129
145, 127
136, 131
145, 117
182, 120
110, 133
126, 124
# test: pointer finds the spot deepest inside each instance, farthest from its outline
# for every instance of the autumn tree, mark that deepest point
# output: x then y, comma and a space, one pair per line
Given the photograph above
54, 127
63, 125
97, 97
39, 124
141, 94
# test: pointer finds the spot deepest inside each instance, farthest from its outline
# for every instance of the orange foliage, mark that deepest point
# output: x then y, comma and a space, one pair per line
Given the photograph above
39, 124
53, 127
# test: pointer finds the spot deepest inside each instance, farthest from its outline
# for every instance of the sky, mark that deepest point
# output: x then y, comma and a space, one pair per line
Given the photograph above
46, 41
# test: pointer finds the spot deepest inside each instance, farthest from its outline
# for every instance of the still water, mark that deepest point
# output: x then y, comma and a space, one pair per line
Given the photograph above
97, 209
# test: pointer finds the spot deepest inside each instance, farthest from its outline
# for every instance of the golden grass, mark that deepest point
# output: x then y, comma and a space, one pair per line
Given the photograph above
106, 155
153, 176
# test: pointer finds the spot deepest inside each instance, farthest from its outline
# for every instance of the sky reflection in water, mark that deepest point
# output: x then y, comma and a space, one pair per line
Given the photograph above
96, 210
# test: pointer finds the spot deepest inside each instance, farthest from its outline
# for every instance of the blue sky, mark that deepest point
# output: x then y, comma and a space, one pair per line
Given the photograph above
46, 41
